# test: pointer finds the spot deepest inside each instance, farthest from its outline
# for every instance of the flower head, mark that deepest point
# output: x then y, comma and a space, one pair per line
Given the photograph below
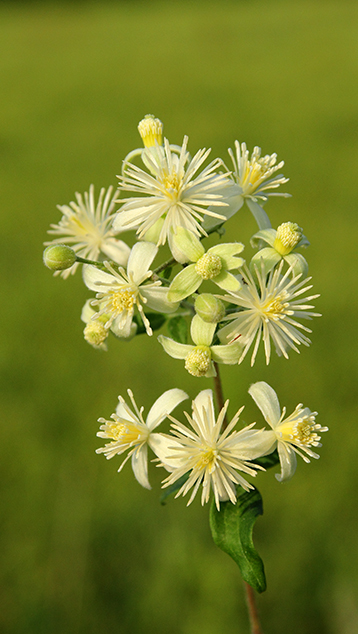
212, 456
171, 193
283, 244
295, 434
199, 359
87, 227
255, 174
269, 312
118, 293
214, 264
129, 432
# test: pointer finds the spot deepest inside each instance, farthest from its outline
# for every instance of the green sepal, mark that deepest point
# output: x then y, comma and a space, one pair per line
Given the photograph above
173, 488
268, 461
178, 329
231, 528
156, 321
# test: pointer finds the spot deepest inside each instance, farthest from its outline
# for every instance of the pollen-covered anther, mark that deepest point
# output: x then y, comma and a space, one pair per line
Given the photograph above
208, 266
95, 333
198, 361
151, 130
122, 300
288, 236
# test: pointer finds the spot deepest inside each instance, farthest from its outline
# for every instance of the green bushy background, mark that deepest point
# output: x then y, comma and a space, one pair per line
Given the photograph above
84, 549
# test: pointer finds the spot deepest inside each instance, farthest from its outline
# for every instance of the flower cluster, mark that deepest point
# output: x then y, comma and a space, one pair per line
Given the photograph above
230, 306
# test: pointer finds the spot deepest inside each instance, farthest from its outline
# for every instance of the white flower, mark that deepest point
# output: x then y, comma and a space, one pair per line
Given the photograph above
212, 457
294, 434
199, 359
269, 312
255, 175
95, 331
118, 293
87, 227
172, 194
129, 431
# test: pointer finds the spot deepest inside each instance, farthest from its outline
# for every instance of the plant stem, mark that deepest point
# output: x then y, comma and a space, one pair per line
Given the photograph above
249, 591
252, 609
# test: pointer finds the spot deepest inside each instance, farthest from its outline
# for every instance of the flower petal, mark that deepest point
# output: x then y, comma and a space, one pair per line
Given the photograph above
187, 244
201, 331
265, 260
157, 299
259, 214
227, 253
227, 281
173, 348
298, 262
288, 461
184, 284
164, 447
163, 406
116, 250
228, 354
140, 466
268, 235
140, 259
266, 400
97, 280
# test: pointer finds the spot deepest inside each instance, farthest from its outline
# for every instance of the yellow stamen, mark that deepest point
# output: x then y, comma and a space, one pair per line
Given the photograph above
95, 333
288, 236
121, 300
198, 361
275, 309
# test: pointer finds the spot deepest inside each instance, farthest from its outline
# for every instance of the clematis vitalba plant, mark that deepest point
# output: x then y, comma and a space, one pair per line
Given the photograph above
229, 304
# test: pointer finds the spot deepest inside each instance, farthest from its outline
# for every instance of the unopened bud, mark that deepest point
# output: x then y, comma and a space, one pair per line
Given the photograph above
209, 308
59, 257
288, 236
151, 130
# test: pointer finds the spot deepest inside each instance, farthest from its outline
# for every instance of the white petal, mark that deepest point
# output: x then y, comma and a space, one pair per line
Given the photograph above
204, 401
163, 406
266, 400
259, 214
140, 259
288, 462
140, 466
157, 299
228, 354
116, 250
87, 312
165, 447
97, 280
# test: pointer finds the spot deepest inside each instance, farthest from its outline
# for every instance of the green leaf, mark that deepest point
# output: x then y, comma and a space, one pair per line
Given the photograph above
268, 461
178, 329
156, 321
231, 528
173, 488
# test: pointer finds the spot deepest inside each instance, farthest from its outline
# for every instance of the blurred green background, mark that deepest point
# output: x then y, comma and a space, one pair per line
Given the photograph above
85, 549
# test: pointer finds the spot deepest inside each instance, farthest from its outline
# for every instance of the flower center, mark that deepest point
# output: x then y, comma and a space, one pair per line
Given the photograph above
121, 300
288, 236
275, 309
207, 459
122, 431
172, 184
208, 266
150, 129
95, 333
198, 361
301, 432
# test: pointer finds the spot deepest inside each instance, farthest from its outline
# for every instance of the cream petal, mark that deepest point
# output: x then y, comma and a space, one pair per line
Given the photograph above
157, 299
268, 235
165, 447
288, 461
140, 466
163, 406
266, 400
204, 404
97, 280
187, 244
259, 214
201, 331
140, 259
299, 264
265, 260
116, 250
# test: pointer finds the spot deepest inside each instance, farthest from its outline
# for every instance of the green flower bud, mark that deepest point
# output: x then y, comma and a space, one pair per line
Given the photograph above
58, 257
209, 308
